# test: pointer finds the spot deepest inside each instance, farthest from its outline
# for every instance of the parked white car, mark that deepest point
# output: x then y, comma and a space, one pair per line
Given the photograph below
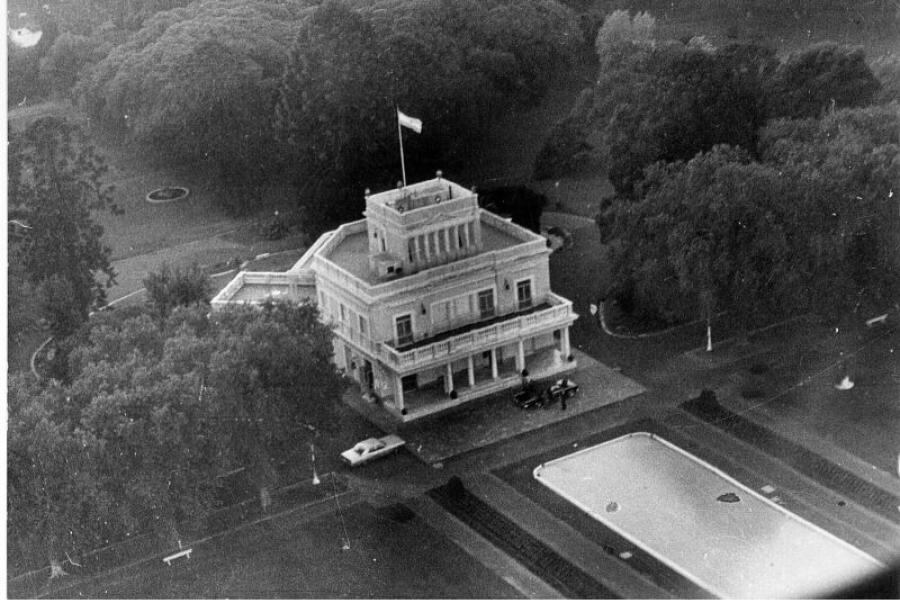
371, 449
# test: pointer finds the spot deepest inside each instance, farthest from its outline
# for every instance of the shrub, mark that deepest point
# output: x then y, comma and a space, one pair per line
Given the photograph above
169, 288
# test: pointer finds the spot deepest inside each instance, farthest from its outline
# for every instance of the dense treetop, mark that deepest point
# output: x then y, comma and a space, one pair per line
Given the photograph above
812, 227
254, 86
150, 411
55, 186
667, 100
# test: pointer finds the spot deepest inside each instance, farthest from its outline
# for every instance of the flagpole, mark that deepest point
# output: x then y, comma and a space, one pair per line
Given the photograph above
400, 135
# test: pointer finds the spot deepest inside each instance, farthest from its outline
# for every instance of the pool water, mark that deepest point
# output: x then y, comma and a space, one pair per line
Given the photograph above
703, 524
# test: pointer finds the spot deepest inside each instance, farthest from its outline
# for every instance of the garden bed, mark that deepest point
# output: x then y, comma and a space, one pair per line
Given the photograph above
167, 194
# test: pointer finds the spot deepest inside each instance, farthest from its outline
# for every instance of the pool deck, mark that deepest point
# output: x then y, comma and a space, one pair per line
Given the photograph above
512, 489
701, 522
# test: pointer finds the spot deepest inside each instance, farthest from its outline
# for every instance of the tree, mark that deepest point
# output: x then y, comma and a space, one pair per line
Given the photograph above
566, 149
197, 85
332, 111
55, 182
152, 411
621, 34
688, 101
820, 77
813, 228
850, 161
64, 60
698, 238
664, 101
23, 313
170, 287
56, 505
261, 374
137, 386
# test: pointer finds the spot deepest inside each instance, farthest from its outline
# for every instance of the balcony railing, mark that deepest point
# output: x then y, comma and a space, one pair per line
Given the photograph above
491, 335
257, 287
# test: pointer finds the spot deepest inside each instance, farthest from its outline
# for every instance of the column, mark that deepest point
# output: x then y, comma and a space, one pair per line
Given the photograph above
472, 230
565, 348
520, 356
471, 369
448, 378
494, 363
452, 240
398, 392
423, 248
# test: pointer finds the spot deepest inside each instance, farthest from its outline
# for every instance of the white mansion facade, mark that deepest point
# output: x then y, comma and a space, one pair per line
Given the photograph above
433, 300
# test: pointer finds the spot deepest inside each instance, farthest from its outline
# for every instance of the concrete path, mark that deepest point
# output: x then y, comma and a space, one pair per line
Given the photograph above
523, 580
493, 419
569, 543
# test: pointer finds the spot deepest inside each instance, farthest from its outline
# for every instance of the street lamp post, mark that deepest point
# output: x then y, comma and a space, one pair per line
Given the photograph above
312, 453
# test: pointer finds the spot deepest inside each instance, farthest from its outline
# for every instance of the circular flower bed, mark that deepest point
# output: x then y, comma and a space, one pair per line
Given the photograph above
167, 194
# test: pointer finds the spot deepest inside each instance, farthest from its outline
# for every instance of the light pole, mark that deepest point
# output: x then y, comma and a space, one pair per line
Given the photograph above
312, 454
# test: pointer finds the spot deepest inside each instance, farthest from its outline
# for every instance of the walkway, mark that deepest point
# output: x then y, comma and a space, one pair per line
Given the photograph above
495, 418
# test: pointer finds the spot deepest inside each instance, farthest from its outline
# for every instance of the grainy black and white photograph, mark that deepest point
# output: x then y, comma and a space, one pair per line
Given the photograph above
452, 298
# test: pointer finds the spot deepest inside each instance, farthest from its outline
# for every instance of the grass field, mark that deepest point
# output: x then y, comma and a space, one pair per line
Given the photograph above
389, 556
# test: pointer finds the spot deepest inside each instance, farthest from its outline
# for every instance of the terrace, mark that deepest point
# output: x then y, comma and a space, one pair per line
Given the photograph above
452, 344
557, 312
250, 287
348, 249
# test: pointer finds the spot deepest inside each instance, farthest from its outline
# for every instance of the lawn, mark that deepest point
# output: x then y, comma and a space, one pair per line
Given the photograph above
863, 420
391, 554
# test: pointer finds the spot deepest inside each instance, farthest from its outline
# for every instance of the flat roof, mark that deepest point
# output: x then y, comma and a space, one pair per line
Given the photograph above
352, 253
420, 195
260, 292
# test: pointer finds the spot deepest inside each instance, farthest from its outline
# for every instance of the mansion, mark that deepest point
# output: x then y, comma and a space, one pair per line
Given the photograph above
433, 300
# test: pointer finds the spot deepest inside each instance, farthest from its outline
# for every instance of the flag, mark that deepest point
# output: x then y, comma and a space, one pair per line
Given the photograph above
409, 122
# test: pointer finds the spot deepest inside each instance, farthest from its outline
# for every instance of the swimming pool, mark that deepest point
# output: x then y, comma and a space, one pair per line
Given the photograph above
700, 522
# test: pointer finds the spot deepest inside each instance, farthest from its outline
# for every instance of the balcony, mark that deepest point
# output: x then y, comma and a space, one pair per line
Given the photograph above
504, 331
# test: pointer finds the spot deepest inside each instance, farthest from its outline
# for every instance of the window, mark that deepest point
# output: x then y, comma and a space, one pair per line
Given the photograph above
486, 303
404, 330
343, 313
412, 249
523, 293
363, 326
432, 246
470, 229
442, 244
